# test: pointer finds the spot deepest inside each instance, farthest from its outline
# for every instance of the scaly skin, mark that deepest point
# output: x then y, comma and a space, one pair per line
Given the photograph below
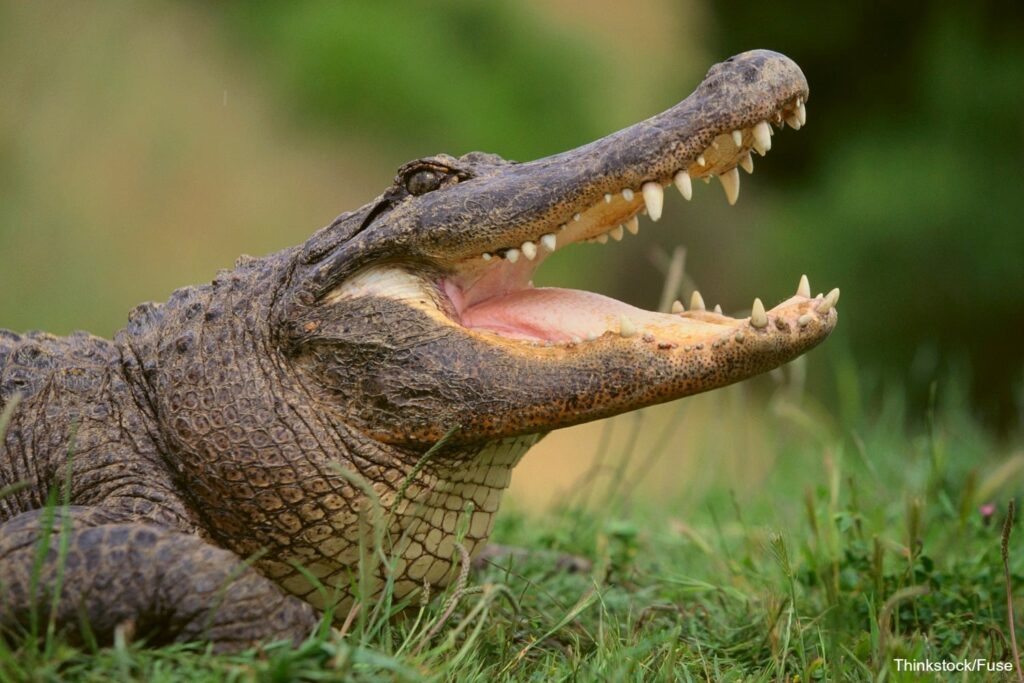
284, 411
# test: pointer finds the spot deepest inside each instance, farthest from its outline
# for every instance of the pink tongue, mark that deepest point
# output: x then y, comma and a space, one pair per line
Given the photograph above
550, 314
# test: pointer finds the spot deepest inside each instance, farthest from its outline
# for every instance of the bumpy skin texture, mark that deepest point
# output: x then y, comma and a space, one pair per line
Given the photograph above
281, 412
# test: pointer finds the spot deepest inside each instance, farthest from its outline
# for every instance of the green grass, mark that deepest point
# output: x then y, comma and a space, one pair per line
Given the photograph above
866, 544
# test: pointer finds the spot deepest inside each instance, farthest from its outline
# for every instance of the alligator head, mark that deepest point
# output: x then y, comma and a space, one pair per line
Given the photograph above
415, 314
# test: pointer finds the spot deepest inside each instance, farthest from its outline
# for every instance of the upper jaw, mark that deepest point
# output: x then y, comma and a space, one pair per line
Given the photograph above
604, 187
596, 191
487, 234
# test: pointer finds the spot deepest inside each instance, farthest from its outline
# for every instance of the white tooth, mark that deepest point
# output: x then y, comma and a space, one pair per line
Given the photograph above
607, 198
804, 320
626, 326
576, 217
718, 309
701, 161
801, 113
762, 137
591, 336
804, 288
731, 184
563, 226
549, 241
828, 302
576, 340
627, 194
793, 120
529, 250
485, 256
696, 301
616, 233
758, 318
654, 197
633, 225
799, 101
512, 255
684, 184
677, 306
746, 163
737, 138
602, 239
714, 144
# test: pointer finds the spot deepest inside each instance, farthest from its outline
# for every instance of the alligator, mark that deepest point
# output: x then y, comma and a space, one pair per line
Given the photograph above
224, 468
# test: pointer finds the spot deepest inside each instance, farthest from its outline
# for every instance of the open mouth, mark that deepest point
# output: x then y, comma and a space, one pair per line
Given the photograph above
492, 293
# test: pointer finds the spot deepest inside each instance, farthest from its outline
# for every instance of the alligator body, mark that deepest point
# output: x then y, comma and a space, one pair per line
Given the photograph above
225, 459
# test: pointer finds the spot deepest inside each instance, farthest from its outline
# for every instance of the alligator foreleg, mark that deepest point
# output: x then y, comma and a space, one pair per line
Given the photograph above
151, 582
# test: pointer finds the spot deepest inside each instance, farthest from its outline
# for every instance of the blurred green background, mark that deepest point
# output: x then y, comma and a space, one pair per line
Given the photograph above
145, 145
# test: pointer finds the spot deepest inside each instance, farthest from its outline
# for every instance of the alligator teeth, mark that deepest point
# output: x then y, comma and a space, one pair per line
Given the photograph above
718, 309
762, 137
746, 163
591, 336
633, 225
829, 301
804, 320
654, 197
737, 138
512, 255
758, 318
627, 194
616, 233
602, 239
793, 120
731, 184
684, 184
804, 288
701, 161
549, 241
485, 256
529, 250
626, 326
801, 112
697, 302
576, 217
607, 198
677, 306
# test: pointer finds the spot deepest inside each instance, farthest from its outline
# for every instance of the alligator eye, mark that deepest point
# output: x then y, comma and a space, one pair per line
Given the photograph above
423, 181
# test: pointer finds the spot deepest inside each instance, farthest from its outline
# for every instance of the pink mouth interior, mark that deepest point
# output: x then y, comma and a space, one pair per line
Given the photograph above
548, 314
497, 302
